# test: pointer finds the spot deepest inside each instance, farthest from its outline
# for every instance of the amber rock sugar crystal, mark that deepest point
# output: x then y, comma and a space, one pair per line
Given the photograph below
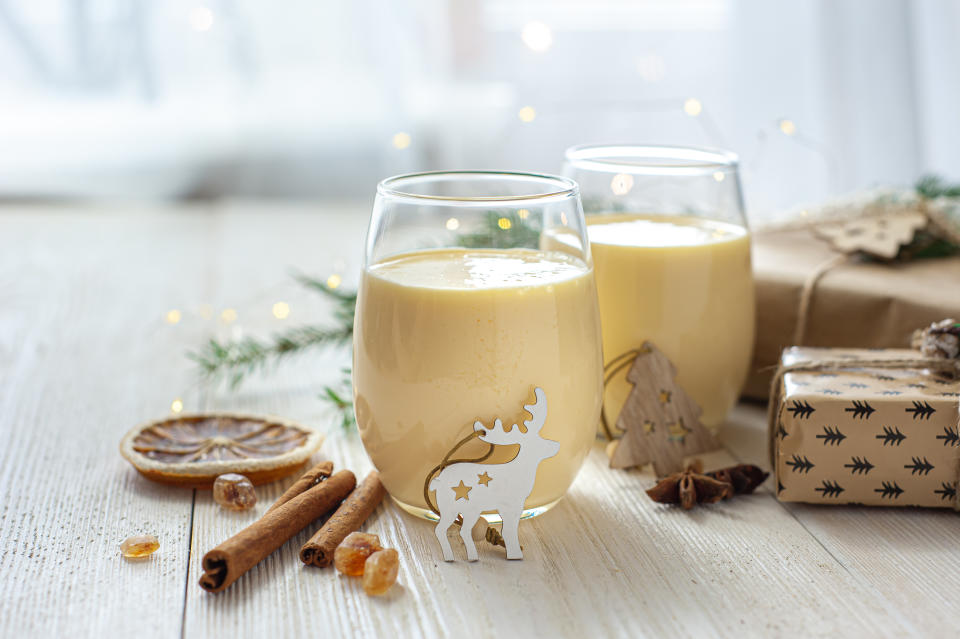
380, 571
352, 553
234, 492
139, 546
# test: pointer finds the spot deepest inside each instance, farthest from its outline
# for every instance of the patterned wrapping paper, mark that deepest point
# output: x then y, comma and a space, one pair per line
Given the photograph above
882, 437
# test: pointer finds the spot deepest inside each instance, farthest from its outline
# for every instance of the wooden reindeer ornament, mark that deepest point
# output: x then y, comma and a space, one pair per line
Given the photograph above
468, 489
660, 421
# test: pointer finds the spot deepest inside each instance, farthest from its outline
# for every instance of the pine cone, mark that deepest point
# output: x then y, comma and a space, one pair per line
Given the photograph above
941, 339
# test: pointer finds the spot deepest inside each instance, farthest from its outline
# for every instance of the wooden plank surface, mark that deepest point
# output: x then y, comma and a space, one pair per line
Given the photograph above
908, 555
85, 354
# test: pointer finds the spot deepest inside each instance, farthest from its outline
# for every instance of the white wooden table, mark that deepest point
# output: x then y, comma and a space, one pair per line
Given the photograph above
86, 353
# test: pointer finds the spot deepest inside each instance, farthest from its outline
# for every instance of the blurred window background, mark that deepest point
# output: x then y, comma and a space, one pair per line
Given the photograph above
159, 99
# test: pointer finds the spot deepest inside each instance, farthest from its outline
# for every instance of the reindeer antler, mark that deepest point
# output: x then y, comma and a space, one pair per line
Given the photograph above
498, 434
497, 424
537, 410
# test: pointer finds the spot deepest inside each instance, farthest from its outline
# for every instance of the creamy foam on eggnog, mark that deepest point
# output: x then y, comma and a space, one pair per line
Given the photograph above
446, 337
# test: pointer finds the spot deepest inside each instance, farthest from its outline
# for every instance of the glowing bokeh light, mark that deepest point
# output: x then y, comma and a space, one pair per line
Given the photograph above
537, 36
692, 107
621, 183
200, 18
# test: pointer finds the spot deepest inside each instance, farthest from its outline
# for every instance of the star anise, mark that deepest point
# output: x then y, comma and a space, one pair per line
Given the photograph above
744, 477
689, 487
692, 486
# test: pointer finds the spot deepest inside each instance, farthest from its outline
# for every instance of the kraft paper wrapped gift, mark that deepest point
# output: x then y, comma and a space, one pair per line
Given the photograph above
857, 303
871, 436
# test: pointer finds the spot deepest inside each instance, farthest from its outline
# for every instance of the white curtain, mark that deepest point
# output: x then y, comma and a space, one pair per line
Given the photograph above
149, 98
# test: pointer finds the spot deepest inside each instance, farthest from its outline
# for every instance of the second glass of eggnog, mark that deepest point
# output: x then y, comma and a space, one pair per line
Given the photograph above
671, 251
462, 313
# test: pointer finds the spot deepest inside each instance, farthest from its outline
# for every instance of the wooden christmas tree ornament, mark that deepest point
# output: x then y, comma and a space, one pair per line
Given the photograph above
661, 423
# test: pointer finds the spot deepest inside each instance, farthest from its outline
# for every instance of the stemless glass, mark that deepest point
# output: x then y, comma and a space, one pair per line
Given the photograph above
461, 314
672, 255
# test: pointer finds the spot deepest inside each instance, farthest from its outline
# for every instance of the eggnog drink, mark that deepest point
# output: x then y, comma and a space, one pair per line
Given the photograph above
684, 283
446, 337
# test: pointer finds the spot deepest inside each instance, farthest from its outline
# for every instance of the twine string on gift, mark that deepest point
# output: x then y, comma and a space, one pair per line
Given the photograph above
949, 367
492, 535
806, 294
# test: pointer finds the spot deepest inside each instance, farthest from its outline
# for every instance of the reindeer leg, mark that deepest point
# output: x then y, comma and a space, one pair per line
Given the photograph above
466, 534
441, 531
511, 534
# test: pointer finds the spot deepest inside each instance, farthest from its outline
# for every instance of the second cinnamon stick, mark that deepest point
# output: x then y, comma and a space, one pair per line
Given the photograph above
349, 517
308, 480
230, 560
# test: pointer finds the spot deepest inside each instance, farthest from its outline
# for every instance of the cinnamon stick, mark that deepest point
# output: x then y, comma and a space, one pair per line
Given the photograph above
349, 516
308, 480
230, 560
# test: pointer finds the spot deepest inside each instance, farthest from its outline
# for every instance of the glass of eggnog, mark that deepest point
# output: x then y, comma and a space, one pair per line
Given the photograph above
671, 250
462, 312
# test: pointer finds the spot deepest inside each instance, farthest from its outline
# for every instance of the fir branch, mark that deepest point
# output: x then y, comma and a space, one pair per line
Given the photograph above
233, 361
346, 301
500, 230
934, 186
339, 399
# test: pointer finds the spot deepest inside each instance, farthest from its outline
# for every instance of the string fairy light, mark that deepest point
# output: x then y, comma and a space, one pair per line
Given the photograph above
453, 224
504, 223
621, 183
523, 214
537, 36
281, 310
527, 114
200, 18
173, 316
401, 140
228, 315
651, 68
787, 127
692, 107
176, 406
334, 281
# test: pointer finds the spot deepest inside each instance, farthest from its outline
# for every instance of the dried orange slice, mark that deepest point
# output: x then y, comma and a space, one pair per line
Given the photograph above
192, 450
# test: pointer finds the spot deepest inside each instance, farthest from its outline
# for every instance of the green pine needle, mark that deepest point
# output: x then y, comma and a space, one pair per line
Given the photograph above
233, 361
934, 186
520, 233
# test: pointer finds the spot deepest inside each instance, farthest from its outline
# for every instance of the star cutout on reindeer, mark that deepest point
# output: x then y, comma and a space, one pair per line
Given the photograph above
507, 495
462, 491
665, 396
